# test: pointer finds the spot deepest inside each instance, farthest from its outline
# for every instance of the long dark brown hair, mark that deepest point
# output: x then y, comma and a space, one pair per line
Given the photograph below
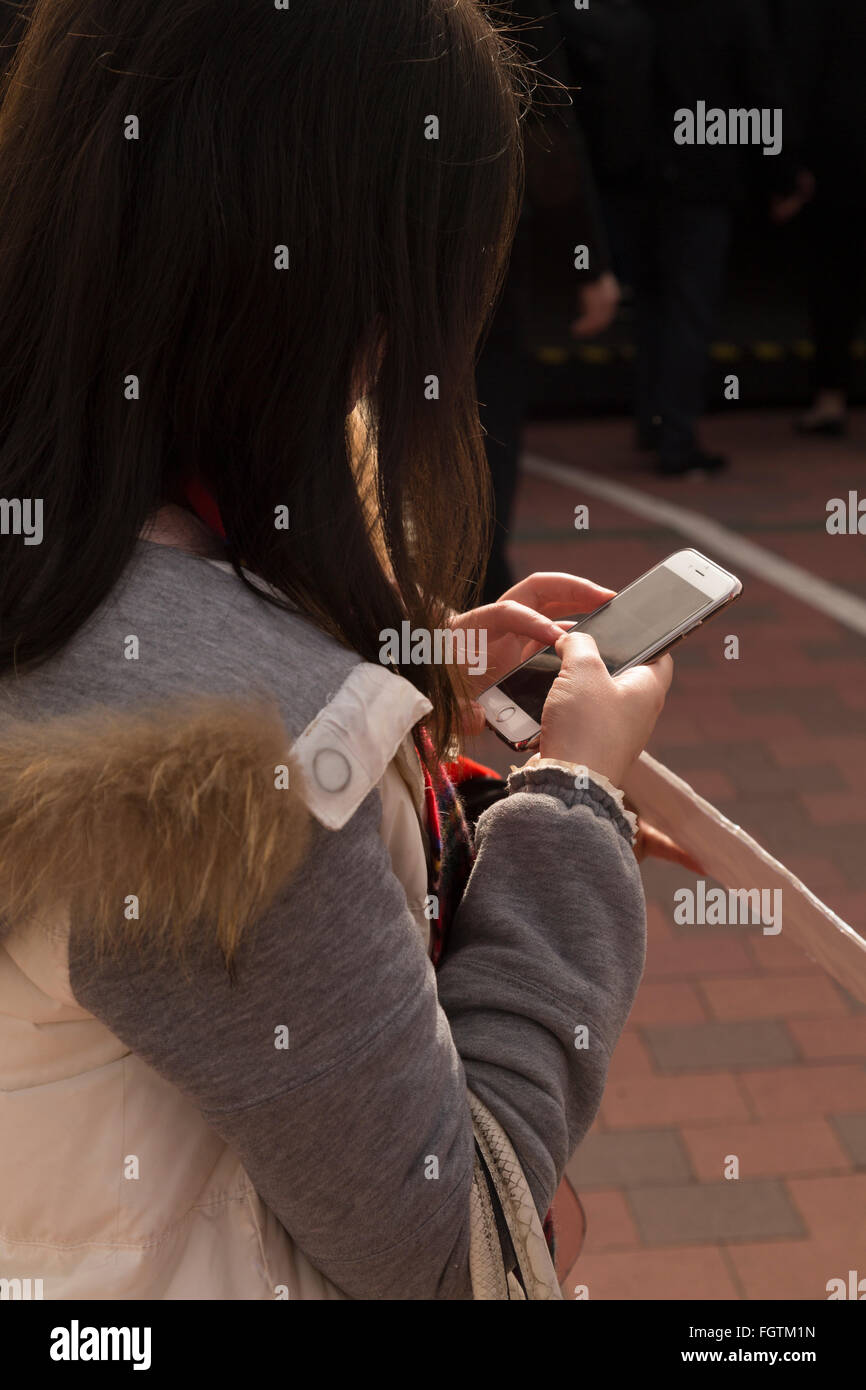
156, 257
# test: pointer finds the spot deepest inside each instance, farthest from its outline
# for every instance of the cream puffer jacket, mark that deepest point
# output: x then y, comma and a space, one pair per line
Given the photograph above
76, 1106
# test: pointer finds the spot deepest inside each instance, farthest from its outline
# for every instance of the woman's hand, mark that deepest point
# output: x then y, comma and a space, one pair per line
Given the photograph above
521, 622
599, 302
591, 718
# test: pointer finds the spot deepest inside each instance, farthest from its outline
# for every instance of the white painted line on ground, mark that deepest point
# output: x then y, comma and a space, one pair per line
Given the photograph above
732, 551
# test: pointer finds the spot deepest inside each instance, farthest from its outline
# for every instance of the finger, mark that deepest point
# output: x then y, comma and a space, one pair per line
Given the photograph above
656, 673
578, 648
664, 669
557, 594
546, 590
531, 649
509, 618
661, 846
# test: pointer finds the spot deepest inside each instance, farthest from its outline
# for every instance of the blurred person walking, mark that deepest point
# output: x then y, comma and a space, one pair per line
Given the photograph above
824, 47
670, 204
560, 194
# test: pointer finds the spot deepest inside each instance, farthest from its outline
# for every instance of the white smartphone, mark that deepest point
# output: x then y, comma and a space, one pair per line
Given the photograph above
643, 621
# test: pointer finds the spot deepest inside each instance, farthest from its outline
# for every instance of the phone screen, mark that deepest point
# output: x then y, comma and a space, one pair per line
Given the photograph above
631, 623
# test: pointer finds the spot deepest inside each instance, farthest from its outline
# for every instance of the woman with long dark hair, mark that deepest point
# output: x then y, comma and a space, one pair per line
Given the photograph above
271, 1025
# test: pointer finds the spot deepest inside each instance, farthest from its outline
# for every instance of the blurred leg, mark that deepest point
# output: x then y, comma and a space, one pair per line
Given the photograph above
502, 393
501, 380
633, 229
836, 254
693, 251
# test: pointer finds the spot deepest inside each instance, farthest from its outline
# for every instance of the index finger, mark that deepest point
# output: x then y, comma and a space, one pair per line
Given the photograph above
664, 665
558, 595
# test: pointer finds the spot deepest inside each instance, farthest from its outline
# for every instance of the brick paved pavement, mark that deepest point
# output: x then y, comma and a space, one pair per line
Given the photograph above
737, 1044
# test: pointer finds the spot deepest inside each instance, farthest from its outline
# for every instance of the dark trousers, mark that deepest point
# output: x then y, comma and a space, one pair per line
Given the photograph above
673, 254
502, 385
501, 380
837, 250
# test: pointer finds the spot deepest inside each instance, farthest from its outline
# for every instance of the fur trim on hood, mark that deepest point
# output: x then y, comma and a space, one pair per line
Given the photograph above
194, 809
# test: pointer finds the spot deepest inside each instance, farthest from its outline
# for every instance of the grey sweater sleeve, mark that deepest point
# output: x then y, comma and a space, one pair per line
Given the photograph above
338, 1130
547, 956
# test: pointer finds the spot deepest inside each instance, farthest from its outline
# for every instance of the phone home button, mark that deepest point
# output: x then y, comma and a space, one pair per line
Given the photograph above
505, 714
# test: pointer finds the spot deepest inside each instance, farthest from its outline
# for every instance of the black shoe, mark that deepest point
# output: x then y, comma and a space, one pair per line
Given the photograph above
831, 427
697, 462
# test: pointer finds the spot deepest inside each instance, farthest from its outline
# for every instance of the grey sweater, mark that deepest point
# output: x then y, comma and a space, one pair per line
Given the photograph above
336, 1133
